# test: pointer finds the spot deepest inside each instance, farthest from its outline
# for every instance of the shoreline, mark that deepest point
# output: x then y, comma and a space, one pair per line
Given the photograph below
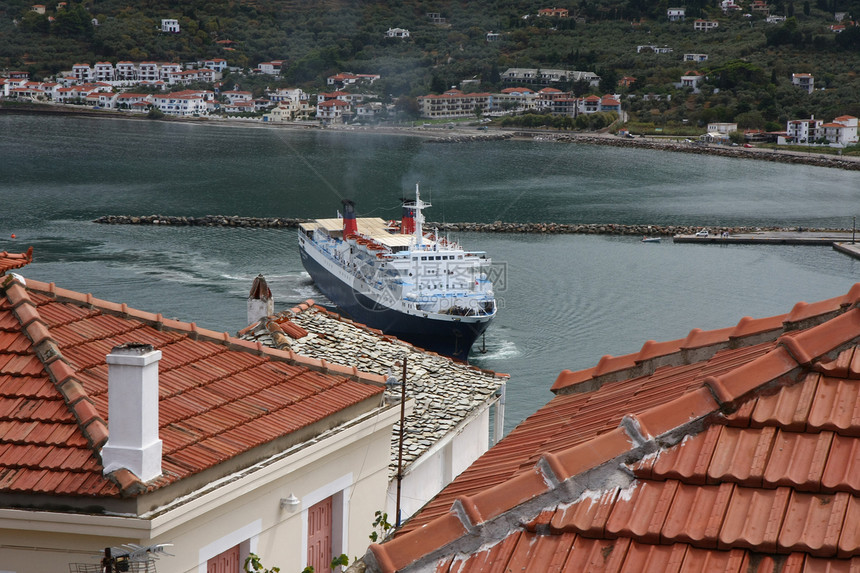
469, 135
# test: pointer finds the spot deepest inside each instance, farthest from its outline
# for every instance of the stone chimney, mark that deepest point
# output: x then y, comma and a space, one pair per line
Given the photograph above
133, 441
260, 301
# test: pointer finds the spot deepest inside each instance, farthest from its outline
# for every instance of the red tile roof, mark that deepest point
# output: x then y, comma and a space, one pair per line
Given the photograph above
731, 450
10, 261
219, 396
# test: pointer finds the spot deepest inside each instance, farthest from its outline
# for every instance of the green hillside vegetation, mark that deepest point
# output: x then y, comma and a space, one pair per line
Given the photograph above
748, 72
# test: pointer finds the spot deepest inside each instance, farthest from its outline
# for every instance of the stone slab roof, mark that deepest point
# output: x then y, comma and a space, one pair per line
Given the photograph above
446, 392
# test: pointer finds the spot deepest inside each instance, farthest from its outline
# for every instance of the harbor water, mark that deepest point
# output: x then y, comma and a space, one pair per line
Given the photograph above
565, 300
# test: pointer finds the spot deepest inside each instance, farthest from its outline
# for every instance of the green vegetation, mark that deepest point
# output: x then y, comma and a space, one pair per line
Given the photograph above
747, 74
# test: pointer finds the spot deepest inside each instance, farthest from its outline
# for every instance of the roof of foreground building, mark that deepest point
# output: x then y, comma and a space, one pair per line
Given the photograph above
220, 398
730, 450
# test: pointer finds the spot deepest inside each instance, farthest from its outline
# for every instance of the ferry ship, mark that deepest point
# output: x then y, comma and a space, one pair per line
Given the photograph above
394, 276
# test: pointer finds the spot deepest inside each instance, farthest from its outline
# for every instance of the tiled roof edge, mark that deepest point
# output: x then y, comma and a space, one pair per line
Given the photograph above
62, 374
700, 344
15, 260
488, 516
193, 331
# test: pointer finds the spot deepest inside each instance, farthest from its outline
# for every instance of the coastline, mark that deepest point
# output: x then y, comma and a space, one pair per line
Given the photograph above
468, 135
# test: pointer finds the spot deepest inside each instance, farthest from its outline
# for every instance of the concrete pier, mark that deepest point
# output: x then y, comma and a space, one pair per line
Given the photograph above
770, 238
842, 241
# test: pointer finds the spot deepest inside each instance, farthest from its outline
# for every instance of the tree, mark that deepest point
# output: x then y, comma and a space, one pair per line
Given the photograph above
407, 106
73, 21
254, 565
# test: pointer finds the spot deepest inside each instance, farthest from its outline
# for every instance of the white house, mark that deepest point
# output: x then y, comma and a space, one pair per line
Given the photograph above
842, 131
724, 128
333, 110
170, 26
126, 71
692, 79
83, 73
103, 72
369, 111
803, 131
272, 68
397, 33
806, 82
133, 102
696, 58
186, 103
705, 25
150, 431
217, 64
546, 76
676, 14
233, 96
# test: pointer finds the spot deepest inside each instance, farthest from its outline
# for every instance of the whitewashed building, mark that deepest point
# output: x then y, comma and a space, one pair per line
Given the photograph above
676, 14
170, 26
806, 82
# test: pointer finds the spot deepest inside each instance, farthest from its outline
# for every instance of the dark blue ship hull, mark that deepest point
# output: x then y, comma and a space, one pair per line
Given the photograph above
449, 338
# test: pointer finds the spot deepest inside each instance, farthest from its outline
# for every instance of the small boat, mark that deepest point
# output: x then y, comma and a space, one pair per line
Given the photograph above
390, 275
650, 239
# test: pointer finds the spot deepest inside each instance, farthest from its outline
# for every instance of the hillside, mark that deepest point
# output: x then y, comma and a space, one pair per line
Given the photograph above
748, 69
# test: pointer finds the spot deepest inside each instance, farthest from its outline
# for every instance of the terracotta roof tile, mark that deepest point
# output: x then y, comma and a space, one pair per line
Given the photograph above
764, 478
219, 399
643, 514
10, 261
696, 514
813, 523
797, 460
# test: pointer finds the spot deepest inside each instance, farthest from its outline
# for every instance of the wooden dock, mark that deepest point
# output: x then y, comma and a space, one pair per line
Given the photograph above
842, 241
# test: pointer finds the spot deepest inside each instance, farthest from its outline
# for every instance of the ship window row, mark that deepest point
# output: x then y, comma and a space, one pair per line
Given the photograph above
438, 258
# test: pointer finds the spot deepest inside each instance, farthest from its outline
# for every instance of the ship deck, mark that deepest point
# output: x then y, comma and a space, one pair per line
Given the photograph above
370, 227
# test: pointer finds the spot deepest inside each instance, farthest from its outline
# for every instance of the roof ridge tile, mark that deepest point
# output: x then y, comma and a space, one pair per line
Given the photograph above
730, 388
820, 340
61, 373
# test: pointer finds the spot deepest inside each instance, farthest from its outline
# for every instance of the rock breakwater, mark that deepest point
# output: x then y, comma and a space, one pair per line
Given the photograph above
495, 227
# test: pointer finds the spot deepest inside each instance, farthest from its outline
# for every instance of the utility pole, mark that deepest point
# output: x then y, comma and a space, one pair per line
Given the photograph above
400, 445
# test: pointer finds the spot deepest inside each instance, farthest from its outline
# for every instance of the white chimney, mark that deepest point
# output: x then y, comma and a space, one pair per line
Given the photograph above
260, 301
133, 441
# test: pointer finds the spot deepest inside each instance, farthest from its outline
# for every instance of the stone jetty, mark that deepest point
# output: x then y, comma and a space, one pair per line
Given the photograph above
495, 227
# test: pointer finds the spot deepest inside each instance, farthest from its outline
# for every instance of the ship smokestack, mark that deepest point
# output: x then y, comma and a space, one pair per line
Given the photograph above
349, 225
407, 224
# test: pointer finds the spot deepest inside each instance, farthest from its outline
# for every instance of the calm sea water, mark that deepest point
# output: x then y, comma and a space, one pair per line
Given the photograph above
565, 300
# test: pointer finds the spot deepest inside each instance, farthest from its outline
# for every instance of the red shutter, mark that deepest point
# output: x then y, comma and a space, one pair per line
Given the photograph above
227, 562
319, 535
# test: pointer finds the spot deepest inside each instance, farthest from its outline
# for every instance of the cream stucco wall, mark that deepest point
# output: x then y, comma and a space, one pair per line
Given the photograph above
439, 466
245, 509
